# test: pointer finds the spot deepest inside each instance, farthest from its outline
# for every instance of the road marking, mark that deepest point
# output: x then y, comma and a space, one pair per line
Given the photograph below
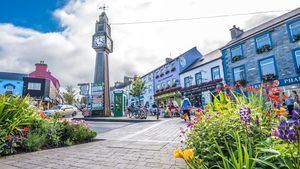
144, 130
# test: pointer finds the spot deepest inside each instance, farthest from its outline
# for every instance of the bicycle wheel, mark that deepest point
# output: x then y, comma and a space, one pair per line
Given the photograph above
137, 114
130, 114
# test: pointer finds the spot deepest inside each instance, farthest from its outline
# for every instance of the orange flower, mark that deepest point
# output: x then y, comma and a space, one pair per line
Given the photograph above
281, 112
8, 136
284, 96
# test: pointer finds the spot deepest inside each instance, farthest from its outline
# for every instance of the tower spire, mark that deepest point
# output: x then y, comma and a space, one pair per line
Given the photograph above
103, 8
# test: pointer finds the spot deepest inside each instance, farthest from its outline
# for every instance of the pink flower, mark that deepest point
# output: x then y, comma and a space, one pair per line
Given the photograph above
275, 133
190, 124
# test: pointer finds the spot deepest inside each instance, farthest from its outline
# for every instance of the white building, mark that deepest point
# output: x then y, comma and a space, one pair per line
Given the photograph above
201, 78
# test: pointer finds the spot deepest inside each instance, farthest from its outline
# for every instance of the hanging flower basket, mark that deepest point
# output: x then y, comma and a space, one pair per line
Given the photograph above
173, 69
269, 77
157, 77
263, 49
236, 58
161, 75
167, 72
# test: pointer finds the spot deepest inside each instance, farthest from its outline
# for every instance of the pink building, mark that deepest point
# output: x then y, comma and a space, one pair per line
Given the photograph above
41, 71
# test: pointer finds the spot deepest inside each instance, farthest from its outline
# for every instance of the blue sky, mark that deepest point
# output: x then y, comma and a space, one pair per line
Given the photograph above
34, 14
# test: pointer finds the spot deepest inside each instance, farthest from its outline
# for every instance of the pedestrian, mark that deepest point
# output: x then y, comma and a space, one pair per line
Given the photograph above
296, 102
289, 101
186, 106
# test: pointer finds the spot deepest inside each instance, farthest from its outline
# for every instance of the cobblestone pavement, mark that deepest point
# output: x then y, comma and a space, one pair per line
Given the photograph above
138, 146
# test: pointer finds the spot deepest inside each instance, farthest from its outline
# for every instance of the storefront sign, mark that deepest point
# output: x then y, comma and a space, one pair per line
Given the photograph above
172, 94
97, 89
282, 82
97, 96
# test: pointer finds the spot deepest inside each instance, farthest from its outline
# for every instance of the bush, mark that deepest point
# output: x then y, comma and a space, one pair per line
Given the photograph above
35, 141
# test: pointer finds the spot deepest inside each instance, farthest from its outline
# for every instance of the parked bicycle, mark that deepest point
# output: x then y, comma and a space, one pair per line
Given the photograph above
137, 112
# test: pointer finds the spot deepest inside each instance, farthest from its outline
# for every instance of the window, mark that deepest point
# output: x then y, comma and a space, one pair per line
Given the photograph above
267, 67
295, 30
239, 73
236, 53
100, 27
34, 86
174, 82
297, 57
9, 89
187, 81
263, 43
169, 83
198, 78
167, 67
163, 85
215, 73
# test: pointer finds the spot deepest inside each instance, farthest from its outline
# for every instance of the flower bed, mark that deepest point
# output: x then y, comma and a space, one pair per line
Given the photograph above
239, 131
24, 129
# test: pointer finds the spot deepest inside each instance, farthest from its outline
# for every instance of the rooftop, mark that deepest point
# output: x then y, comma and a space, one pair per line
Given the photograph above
266, 26
12, 76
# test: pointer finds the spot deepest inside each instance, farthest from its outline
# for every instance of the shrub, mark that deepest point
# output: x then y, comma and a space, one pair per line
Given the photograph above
35, 141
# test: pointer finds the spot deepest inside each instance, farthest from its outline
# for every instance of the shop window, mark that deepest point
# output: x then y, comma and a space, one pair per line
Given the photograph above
267, 69
236, 53
169, 84
215, 73
297, 58
263, 43
34, 86
239, 74
294, 30
174, 84
198, 78
187, 81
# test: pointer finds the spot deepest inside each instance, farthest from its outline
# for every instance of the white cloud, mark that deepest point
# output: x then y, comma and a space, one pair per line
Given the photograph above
137, 48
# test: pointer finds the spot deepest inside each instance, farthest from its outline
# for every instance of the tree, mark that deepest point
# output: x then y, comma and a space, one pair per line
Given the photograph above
69, 95
138, 87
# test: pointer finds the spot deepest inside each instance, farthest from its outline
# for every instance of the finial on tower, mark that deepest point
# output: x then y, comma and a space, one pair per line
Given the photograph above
104, 7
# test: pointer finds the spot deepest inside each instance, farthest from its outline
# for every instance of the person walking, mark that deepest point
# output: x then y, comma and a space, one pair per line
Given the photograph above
289, 101
186, 106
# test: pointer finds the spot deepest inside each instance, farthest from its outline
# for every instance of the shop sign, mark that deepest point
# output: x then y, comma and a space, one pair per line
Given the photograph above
168, 95
97, 89
282, 82
84, 89
97, 96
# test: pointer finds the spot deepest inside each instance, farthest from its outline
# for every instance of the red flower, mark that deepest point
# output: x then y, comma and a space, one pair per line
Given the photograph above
284, 96
238, 83
276, 90
8, 136
217, 90
25, 129
248, 88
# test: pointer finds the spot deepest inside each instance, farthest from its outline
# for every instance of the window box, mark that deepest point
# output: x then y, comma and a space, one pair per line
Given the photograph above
161, 75
269, 77
296, 37
236, 58
173, 69
263, 49
167, 72
241, 82
157, 77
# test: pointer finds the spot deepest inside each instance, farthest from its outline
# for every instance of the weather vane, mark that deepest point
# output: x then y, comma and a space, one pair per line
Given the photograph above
103, 7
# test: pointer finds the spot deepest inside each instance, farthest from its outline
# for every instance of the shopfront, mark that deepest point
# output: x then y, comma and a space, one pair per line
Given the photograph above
200, 95
166, 99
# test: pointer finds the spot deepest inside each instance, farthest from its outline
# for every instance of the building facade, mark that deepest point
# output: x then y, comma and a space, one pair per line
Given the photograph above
201, 78
43, 86
167, 84
147, 98
11, 83
268, 52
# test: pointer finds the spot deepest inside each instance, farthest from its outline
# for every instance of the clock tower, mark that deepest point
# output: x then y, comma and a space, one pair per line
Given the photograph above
103, 45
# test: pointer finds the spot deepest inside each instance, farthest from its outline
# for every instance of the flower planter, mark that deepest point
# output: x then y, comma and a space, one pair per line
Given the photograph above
236, 58
161, 75
173, 69
157, 77
269, 77
263, 49
296, 37
167, 72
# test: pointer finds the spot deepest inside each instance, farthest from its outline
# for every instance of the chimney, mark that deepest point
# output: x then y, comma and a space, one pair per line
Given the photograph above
41, 67
168, 60
235, 32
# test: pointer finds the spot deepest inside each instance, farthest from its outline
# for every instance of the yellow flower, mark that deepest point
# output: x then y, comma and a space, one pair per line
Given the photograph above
188, 154
281, 112
177, 153
200, 161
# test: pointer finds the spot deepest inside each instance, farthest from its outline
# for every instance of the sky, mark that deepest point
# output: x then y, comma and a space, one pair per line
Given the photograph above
60, 33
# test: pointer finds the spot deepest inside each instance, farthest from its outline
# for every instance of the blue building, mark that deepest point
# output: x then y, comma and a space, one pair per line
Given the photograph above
167, 85
268, 52
11, 83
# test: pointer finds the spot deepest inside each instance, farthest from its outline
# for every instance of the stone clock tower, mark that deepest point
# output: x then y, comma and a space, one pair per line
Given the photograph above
103, 45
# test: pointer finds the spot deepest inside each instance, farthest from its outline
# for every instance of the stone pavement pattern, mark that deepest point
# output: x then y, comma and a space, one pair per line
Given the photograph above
138, 146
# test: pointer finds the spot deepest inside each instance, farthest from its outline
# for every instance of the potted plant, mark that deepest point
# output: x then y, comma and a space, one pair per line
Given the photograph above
269, 77
297, 37
236, 58
263, 49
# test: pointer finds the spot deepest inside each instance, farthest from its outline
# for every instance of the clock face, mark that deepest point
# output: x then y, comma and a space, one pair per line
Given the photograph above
109, 45
182, 61
99, 41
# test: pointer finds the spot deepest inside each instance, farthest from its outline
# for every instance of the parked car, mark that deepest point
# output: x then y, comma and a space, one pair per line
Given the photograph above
64, 110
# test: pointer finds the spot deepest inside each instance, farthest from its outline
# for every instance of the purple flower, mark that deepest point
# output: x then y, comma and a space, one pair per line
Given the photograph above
286, 131
245, 115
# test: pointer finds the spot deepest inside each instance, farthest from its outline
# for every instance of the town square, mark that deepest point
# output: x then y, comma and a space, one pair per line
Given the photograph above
144, 84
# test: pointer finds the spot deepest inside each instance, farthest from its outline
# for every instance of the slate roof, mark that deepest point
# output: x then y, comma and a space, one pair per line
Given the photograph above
12, 76
265, 26
207, 58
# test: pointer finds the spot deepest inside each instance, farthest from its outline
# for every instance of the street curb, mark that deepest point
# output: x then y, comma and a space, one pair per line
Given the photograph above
116, 120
